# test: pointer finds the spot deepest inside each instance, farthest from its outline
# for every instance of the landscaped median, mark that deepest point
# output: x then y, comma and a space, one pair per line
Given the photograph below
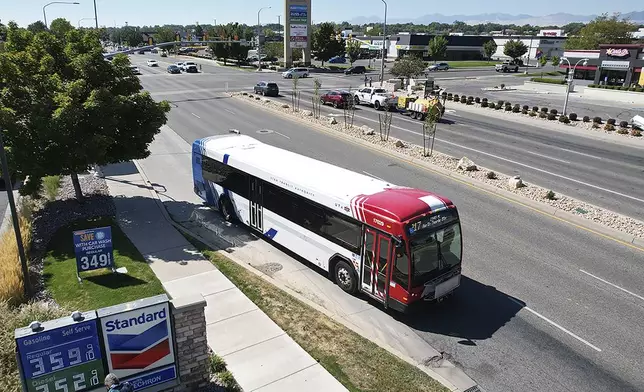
358, 363
631, 229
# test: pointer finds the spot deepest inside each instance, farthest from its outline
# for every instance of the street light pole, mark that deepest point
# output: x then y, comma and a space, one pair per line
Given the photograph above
14, 218
569, 82
44, 13
95, 15
384, 50
259, 45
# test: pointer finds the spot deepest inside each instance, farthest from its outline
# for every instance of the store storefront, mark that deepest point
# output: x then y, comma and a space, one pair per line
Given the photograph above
611, 65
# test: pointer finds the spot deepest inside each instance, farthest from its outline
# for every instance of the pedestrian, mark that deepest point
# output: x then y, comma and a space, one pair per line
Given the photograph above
113, 384
199, 67
365, 80
370, 81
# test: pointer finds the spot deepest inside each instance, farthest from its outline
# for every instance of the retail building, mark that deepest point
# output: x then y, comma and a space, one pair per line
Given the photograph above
612, 64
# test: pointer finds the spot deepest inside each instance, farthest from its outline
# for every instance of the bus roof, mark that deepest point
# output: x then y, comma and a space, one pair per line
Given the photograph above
353, 194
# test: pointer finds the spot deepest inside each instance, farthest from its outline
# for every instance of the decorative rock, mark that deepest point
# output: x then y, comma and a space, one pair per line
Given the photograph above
515, 182
332, 121
368, 131
400, 144
466, 164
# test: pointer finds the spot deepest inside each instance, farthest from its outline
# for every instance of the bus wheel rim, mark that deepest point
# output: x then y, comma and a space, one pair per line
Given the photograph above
344, 277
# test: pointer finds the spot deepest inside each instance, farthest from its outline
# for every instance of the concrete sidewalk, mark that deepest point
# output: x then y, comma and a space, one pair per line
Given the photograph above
258, 352
168, 169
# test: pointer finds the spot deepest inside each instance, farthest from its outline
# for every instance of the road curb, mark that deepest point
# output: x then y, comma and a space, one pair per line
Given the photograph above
450, 369
553, 212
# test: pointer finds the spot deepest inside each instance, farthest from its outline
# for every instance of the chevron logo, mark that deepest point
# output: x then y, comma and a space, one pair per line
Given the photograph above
139, 351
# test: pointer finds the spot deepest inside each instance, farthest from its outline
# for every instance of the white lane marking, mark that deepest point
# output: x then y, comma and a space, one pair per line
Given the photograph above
281, 134
612, 284
547, 157
376, 177
195, 115
580, 153
229, 111
544, 318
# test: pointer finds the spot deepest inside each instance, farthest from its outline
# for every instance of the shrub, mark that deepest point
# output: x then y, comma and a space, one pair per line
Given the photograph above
516, 109
449, 96
548, 80
258, 98
636, 132
498, 106
552, 116
535, 108
621, 131
444, 94
456, 97
470, 98
524, 112
595, 125
611, 121
544, 110
572, 116
586, 119
491, 175
564, 119
484, 104
244, 94
227, 380
502, 86
484, 100
532, 114
508, 108
50, 185
609, 127
526, 107
217, 364
11, 279
501, 103
623, 124
597, 120
543, 115
553, 111
477, 100
550, 195
463, 99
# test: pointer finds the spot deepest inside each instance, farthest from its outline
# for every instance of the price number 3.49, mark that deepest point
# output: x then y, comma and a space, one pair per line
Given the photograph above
95, 261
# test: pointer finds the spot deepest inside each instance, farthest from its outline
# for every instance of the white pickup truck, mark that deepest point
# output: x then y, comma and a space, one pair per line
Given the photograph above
379, 98
507, 66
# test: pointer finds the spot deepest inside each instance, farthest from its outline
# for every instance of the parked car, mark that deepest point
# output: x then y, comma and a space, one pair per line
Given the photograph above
187, 64
337, 60
267, 88
135, 70
437, 67
179, 64
269, 59
173, 69
141, 51
164, 54
191, 68
337, 98
507, 66
296, 72
153, 63
356, 69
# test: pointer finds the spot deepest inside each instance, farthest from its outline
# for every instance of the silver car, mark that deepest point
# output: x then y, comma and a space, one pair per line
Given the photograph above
296, 72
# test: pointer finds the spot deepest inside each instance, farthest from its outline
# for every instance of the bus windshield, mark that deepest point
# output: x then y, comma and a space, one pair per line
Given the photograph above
434, 250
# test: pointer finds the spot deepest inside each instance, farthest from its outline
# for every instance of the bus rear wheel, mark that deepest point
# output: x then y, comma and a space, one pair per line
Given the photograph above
345, 278
226, 209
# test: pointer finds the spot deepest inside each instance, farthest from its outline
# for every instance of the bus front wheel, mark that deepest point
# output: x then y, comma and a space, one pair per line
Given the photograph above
226, 209
345, 277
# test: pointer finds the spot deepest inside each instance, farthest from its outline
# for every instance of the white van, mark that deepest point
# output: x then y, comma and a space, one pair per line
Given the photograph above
297, 72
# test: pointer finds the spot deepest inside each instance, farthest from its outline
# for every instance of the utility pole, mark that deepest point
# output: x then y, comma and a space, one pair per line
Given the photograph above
14, 218
384, 50
95, 15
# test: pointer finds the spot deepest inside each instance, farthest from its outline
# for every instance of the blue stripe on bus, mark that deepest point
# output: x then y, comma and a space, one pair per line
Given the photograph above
271, 233
226, 157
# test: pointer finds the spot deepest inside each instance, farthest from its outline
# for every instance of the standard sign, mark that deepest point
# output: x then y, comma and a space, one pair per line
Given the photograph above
138, 341
62, 355
93, 249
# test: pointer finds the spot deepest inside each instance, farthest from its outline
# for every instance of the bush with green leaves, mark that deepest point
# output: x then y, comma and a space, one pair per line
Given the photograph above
543, 115
526, 107
498, 106
611, 121
463, 99
532, 114
552, 116
597, 120
564, 119
501, 103
609, 127
586, 119
550, 195
524, 112
572, 116
554, 111
477, 100
456, 97
621, 131
535, 108
595, 125
544, 110
516, 109
449, 96
484, 104
623, 124
636, 132
484, 100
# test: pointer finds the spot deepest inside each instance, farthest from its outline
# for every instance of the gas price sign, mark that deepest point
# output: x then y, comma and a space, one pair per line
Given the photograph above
93, 249
61, 356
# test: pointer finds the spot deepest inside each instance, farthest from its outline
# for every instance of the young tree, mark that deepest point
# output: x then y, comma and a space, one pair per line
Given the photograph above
543, 61
438, 48
60, 26
603, 30
489, 48
37, 27
130, 36
274, 49
555, 61
408, 67
515, 49
65, 108
198, 31
324, 44
221, 51
353, 50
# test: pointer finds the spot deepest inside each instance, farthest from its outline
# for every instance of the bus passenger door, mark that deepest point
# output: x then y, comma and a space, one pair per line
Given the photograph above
376, 259
256, 200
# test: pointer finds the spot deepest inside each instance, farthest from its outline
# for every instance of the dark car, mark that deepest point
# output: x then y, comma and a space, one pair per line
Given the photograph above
173, 69
356, 69
141, 51
337, 98
267, 88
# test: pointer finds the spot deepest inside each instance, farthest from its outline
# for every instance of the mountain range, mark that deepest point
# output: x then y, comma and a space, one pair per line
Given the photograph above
558, 19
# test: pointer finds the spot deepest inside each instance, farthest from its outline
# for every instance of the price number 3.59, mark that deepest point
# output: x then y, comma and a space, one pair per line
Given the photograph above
95, 261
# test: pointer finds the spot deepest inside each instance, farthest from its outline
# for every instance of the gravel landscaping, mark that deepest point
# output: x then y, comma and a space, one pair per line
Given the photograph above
599, 215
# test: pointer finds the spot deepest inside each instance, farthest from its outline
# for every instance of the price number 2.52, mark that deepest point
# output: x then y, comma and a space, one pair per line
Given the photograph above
95, 261
78, 382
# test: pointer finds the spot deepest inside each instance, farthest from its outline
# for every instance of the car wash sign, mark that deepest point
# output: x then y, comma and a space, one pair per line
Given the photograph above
138, 341
93, 248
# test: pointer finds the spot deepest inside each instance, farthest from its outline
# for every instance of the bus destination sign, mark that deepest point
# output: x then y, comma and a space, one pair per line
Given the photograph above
62, 355
431, 221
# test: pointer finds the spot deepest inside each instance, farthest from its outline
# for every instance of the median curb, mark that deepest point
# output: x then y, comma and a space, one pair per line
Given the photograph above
555, 213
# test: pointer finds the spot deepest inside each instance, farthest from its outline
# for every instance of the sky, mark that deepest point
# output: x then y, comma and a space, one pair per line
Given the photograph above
153, 12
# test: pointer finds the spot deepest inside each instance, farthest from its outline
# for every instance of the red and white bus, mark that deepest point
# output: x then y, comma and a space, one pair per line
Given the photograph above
396, 244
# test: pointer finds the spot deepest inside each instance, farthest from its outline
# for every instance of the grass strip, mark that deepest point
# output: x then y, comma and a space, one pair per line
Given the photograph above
99, 288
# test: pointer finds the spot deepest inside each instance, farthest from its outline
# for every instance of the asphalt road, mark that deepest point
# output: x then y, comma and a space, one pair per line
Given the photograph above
544, 305
605, 174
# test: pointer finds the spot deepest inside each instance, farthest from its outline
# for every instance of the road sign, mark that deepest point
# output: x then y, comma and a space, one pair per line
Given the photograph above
138, 340
93, 249
61, 355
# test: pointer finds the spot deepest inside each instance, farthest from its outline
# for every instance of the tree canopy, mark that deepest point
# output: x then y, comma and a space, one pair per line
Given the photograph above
164, 34
489, 48
231, 31
602, 30
353, 50
438, 48
324, 45
60, 27
64, 108
515, 49
37, 27
408, 67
